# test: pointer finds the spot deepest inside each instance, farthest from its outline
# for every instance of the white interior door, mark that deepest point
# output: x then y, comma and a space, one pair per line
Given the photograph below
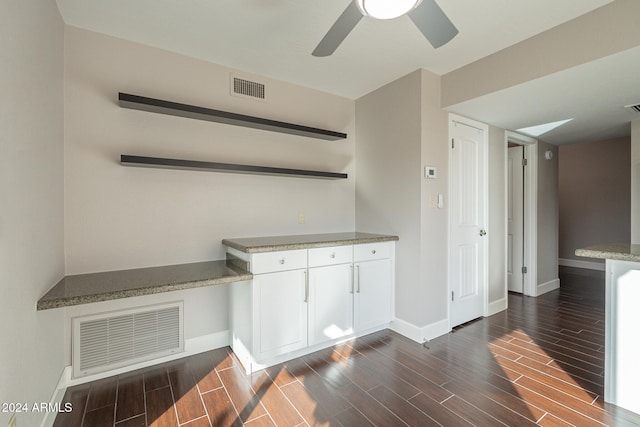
515, 219
467, 221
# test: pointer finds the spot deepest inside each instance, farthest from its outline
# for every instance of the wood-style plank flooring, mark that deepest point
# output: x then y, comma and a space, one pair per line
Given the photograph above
539, 363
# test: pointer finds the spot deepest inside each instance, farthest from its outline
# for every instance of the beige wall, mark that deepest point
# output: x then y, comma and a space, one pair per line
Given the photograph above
594, 193
434, 222
635, 182
31, 194
388, 185
547, 215
497, 226
125, 217
401, 128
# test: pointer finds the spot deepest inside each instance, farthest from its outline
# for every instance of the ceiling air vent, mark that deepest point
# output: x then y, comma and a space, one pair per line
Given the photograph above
634, 107
247, 88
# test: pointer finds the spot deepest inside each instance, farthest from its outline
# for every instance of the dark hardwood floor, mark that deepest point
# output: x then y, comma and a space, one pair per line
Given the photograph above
539, 363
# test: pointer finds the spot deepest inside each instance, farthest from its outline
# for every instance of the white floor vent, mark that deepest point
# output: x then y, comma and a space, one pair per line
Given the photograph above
106, 341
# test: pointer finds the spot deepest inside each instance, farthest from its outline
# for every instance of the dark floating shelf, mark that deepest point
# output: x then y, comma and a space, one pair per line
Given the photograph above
158, 162
136, 102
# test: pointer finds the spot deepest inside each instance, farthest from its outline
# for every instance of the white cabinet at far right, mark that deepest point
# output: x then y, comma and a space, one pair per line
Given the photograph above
372, 282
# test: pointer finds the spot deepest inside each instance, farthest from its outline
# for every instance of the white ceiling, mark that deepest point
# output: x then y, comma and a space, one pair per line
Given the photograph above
274, 38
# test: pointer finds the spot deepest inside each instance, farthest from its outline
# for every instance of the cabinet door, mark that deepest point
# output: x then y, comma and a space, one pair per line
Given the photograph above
280, 313
372, 303
330, 302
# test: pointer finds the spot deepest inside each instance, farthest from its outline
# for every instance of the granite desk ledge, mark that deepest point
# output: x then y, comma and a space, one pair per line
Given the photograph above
106, 286
613, 251
304, 241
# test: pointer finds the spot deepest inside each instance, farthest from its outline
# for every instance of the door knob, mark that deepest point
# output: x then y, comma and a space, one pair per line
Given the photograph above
482, 232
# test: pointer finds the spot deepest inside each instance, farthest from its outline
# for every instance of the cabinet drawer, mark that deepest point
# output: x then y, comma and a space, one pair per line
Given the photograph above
270, 262
371, 251
330, 256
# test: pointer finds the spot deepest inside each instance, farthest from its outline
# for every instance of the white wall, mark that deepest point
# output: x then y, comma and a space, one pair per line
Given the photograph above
635, 182
31, 194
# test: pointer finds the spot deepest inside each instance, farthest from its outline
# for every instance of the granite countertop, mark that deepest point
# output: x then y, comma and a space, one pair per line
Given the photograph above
615, 251
97, 287
303, 241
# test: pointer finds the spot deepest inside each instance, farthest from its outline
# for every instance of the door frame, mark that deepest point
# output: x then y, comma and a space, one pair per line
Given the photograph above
485, 186
520, 220
530, 286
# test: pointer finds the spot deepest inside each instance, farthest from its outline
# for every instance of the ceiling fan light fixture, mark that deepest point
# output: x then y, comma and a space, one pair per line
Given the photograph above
386, 9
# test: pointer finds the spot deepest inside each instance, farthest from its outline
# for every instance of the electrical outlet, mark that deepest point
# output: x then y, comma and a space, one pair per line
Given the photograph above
300, 217
12, 421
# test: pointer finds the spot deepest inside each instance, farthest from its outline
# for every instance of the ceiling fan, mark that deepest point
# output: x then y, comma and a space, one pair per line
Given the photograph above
425, 14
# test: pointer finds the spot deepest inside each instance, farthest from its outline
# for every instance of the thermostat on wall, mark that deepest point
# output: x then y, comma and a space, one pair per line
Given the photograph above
430, 172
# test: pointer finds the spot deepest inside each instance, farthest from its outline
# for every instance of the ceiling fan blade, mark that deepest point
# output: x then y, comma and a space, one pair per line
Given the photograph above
433, 23
338, 31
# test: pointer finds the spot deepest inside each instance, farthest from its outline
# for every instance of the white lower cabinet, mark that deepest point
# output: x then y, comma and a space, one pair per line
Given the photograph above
302, 300
280, 313
373, 278
330, 303
372, 302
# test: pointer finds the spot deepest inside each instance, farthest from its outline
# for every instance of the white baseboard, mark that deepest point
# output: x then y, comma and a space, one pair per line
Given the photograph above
191, 346
206, 342
549, 286
590, 265
57, 397
407, 329
497, 306
420, 334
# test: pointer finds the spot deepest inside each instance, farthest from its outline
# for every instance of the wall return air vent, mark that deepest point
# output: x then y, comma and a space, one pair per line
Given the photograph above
107, 341
634, 107
247, 88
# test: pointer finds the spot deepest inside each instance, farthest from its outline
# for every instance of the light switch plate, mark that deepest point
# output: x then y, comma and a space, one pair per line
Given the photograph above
432, 201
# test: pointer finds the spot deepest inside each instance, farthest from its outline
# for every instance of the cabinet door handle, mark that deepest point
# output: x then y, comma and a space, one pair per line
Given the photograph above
282, 261
352, 280
333, 255
306, 286
373, 252
358, 274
